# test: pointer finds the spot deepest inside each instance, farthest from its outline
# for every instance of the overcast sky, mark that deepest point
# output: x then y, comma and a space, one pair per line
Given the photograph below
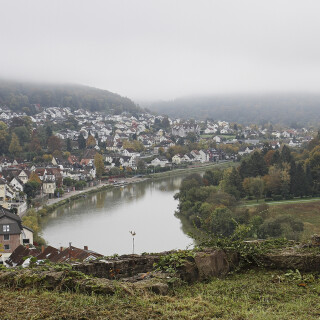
162, 49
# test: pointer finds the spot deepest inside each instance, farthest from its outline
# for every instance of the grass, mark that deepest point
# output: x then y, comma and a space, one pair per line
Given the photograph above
253, 294
308, 212
252, 203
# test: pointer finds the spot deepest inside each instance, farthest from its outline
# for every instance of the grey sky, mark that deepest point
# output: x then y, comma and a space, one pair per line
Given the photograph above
148, 49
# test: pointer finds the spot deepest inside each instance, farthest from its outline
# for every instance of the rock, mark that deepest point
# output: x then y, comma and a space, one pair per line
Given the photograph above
211, 264
97, 286
160, 288
188, 272
157, 287
52, 279
315, 239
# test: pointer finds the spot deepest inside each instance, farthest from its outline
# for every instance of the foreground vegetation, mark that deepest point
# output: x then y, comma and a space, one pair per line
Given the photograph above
254, 294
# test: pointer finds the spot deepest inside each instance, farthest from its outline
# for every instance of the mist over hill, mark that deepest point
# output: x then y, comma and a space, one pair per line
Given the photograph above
23, 96
288, 109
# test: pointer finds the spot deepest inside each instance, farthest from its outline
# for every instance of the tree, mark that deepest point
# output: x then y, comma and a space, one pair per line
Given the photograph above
31, 188
23, 134
35, 145
54, 144
232, 183
99, 165
81, 142
254, 187
4, 138
48, 132
213, 177
14, 147
34, 178
69, 146
191, 137
258, 166
286, 154
141, 165
91, 142
222, 222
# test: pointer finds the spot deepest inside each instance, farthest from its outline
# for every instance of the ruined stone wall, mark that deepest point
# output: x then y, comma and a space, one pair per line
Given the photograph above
203, 265
121, 267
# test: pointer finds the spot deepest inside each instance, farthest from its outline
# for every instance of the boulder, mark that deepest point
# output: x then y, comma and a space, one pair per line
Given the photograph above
211, 264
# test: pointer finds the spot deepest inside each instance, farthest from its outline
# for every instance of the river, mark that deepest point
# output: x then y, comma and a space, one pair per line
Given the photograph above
102, 221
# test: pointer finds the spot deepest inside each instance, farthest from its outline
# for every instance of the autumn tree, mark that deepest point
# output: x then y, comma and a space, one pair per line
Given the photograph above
14, 147
35, 144
34, 178
99, 165
4, 138
91, 142
54, 143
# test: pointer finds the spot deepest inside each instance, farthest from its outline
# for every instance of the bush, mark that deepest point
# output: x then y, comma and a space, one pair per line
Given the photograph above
268, 199
277, 197
281, 226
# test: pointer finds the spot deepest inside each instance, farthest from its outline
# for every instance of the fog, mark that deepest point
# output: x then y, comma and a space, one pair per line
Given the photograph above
147, 49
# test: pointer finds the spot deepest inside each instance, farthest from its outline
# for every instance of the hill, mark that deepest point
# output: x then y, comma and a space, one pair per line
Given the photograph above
23, 96
288, 109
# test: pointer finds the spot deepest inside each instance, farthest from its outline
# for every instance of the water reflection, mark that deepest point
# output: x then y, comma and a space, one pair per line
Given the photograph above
103, 220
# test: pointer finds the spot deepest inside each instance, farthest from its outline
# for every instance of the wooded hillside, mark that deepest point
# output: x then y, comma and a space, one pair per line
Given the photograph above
22, 96
294, 110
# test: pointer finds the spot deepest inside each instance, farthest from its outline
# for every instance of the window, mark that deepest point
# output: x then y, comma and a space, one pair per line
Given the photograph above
6, 247
6, 237
6, 228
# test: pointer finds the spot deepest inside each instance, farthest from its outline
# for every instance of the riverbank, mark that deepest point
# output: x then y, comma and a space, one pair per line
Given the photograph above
195, 168
54, 203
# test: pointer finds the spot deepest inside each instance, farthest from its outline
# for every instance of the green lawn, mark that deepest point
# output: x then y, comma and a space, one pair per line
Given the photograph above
254, 294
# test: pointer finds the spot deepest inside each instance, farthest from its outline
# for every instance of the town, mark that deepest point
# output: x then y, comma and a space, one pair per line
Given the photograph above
58, 151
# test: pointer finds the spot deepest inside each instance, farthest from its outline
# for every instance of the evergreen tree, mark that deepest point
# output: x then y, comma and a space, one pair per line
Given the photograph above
293, 178
286, 154
276, 159
301, 181
81, 142
257, 165
309, 181
69, 147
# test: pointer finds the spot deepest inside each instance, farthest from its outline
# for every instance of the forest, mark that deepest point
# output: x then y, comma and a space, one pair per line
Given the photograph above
294, 110
215, 202
26, 97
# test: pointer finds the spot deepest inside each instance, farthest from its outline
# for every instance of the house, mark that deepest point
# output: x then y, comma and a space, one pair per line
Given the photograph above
69, 254
159, 161
12, 232
184, 129
217, 139
49, 186
177, 159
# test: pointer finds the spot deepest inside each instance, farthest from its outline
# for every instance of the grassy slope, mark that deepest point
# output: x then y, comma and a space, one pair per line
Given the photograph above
254, 294
305, 209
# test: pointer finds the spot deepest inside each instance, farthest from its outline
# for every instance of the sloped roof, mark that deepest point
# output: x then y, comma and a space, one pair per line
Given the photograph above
17, 256
74, 253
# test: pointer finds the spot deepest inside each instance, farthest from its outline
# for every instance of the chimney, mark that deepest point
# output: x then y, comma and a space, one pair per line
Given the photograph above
85, 248
42, 248
61, 249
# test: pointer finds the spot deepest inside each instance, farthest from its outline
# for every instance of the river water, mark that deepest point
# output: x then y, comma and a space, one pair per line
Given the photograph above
102, 221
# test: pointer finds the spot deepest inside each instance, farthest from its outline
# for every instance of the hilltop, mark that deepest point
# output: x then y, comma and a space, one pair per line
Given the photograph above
296, 110
27, 96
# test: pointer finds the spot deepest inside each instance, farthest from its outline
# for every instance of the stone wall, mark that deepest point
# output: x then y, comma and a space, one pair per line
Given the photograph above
118, 268
203, 266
